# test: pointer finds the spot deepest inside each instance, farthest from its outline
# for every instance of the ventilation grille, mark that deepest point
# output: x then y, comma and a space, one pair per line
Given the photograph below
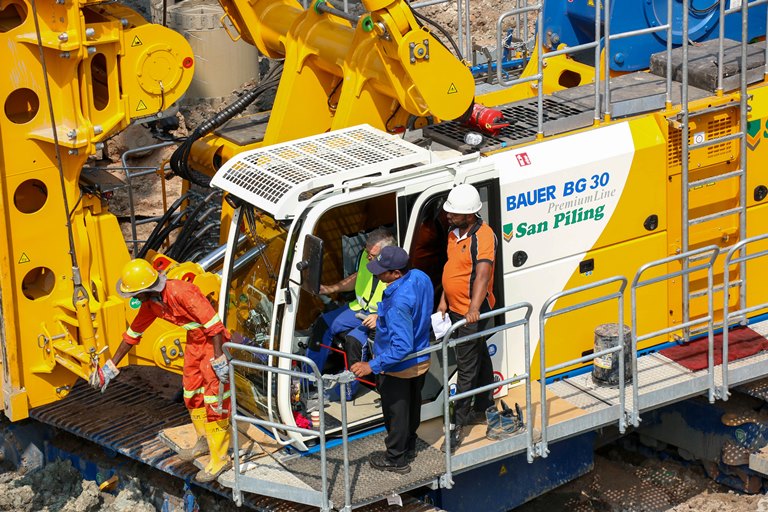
717, 125
719, 128
674, 150
273, 178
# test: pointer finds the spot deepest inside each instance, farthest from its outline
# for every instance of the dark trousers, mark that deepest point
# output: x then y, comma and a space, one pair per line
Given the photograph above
401, 406
475, 369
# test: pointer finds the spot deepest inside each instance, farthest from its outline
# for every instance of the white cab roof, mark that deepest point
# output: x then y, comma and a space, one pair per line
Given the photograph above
274, 178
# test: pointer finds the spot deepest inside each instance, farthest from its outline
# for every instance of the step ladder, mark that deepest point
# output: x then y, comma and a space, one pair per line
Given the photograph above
693, 143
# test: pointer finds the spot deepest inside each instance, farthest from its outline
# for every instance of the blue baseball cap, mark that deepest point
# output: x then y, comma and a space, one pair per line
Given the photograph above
390, 258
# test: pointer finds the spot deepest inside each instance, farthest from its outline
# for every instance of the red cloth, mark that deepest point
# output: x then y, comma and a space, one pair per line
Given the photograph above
200, 383
183, 304
742, 342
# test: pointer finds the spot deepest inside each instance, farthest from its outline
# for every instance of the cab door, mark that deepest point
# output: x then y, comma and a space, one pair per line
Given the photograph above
423, 229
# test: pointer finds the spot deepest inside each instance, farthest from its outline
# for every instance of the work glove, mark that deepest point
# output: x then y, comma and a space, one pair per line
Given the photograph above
101, 377
220, 366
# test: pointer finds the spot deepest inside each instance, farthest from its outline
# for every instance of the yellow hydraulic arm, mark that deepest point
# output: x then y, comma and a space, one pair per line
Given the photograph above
382, 69
75, 73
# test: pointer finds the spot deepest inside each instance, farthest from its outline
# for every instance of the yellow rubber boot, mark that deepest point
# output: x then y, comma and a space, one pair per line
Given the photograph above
201, 446
218, 442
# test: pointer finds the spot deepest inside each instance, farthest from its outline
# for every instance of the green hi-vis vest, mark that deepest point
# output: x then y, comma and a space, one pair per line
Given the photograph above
367, 298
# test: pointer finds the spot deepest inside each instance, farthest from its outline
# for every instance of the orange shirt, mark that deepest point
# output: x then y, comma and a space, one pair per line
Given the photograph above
183, 305
477, 245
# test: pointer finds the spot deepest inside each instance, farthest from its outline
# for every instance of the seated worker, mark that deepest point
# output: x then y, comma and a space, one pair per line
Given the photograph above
345, 319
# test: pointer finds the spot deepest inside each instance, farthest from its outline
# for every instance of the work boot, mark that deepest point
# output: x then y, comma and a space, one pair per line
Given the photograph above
201, 445
492, 418
455, 437
217, 433
509, 422
379, 460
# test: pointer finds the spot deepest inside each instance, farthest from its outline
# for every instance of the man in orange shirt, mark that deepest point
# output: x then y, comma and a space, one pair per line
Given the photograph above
467, 292
205, 365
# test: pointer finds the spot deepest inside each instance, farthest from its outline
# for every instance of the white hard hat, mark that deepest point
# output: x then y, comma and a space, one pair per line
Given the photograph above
463, 199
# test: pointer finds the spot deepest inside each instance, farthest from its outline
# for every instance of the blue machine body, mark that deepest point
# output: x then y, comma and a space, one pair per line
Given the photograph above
508, 483
572, 22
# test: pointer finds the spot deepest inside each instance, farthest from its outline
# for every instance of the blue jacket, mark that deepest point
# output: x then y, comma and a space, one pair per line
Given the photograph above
404, 323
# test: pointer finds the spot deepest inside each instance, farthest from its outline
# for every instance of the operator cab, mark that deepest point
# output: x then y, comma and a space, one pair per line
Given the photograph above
292, 247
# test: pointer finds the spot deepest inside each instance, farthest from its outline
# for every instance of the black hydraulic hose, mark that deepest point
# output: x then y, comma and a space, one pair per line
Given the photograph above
196, 244
180, 157
439, 28
159, 227
166, 216
175, 223
189, 226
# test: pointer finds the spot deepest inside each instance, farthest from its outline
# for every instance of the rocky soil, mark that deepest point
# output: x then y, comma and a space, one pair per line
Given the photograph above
623, 481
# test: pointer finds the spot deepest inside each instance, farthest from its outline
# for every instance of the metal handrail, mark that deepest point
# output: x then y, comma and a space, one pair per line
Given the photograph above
314, 376
686, 147
741, 312
446, 342
709, 319
608, 37
129, 175
518, 11
542, 449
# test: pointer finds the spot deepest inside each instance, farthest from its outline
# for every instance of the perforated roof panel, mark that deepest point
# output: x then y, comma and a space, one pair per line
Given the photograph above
273, 178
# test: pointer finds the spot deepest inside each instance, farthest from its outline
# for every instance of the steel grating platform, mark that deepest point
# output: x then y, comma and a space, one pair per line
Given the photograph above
661, 381
300, 476
127, 419
523, 119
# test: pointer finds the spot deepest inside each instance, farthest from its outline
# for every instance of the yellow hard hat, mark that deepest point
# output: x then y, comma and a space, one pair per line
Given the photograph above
139, 276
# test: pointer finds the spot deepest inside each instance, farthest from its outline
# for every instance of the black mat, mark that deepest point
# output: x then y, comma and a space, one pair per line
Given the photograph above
368, 484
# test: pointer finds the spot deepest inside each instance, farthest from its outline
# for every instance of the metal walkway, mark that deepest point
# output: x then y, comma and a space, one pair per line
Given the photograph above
127, 420
576, 405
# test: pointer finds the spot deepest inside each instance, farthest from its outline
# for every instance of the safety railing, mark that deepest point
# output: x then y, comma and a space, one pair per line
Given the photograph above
686, 147
740, 314
603, 34
541, 448
711, 253
131, 173
447, 342
290, 493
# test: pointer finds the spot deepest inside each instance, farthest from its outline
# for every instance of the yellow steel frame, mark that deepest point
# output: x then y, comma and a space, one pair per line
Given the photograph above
386, 71
76, 73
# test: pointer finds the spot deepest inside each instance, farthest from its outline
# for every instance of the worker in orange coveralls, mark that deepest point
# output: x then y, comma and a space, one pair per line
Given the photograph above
205, 365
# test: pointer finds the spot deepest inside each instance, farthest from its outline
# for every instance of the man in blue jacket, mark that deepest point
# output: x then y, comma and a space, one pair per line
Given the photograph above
402, 329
